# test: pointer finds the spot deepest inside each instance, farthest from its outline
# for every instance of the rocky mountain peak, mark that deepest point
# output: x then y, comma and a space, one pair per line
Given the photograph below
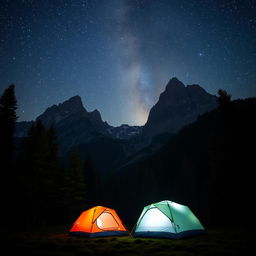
177, 106
74, 103
57, 113
174, 83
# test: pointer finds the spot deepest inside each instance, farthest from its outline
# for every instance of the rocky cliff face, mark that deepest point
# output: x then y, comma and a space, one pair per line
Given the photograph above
57, 113
74, 124
125, 131
177, 106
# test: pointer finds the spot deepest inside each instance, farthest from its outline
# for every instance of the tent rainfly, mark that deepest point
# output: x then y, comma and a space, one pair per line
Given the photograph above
98, 221
167, 219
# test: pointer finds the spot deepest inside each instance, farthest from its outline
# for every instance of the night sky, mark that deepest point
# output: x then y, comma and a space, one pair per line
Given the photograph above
118, 55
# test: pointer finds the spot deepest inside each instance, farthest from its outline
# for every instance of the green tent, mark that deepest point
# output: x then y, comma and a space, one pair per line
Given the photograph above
167, 219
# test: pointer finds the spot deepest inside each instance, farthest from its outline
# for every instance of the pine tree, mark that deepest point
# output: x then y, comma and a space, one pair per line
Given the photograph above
74, 193
41, 176
223, 97
53, 154
8, 117
95, 183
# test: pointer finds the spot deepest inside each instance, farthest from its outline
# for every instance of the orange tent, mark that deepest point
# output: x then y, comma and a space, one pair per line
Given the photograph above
98, 221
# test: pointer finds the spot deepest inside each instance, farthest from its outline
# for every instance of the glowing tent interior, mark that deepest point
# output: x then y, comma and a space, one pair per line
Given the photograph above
167, 219
98, 221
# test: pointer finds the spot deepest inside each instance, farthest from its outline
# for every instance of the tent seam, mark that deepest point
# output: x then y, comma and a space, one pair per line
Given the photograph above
173, 223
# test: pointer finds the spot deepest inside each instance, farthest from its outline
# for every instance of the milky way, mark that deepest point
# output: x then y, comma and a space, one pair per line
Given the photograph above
118, 55
134, 75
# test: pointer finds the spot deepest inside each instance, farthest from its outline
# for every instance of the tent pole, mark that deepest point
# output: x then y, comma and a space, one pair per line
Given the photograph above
92, 219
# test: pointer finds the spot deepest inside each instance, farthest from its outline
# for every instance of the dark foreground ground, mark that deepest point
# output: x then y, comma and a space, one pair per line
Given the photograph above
57, 242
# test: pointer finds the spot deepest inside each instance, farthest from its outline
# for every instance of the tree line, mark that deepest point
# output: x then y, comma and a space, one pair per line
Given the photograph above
36, 189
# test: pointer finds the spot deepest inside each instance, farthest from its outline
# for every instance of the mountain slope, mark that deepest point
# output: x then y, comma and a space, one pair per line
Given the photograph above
177, 106
209, 165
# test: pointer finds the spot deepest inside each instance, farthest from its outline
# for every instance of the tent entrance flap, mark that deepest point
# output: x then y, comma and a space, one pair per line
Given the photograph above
155, 220
106, 221
97, 212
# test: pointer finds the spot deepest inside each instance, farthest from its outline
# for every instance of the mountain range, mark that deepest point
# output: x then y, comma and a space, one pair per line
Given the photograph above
86, 132
195, 149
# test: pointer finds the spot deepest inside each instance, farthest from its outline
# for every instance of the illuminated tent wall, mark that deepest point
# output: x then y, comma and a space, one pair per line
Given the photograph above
167, 219
98, 221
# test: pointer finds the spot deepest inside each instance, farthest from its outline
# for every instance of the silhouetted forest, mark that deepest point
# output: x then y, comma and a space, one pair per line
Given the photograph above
36, 188
209, 166
8, 106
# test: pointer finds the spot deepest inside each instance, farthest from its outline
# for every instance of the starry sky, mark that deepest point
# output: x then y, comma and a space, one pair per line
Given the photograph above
118, 55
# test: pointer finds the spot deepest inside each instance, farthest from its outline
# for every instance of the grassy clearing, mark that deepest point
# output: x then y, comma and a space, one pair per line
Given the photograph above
58, 243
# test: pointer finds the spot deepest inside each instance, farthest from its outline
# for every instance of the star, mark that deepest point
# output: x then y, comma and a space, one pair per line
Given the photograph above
127, 48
